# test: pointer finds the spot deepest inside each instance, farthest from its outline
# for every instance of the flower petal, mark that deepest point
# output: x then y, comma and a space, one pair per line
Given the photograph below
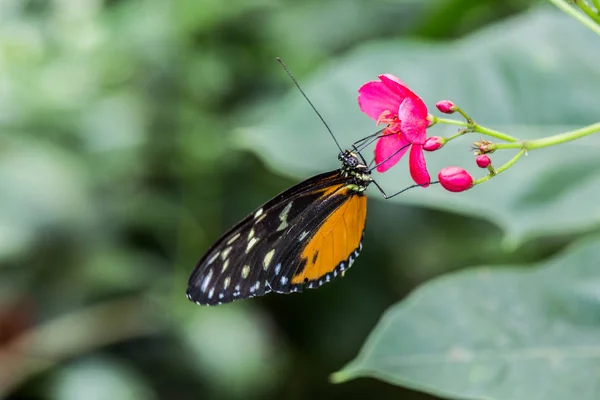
413, 116
417, 166
375, 97
386, 147
396, 85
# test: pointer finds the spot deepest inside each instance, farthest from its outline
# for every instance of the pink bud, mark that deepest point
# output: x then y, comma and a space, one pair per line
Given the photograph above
433, 143
455, 179
483, 161
446, 106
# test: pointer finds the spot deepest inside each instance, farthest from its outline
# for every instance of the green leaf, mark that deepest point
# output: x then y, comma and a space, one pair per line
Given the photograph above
531, 76
502, 333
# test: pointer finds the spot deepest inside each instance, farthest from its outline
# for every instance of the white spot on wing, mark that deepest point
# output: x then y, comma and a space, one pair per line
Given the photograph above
258, 213
268, 258
245, 271
213, 258
251, 243
233, 238
225, 253
225, 265
277, 269
283, 217
283, 280
226, 282
206, 281
302, 236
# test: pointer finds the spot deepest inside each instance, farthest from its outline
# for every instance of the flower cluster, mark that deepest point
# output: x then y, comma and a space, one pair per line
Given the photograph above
389, 101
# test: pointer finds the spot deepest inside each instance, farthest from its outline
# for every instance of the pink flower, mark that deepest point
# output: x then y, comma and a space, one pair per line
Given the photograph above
389, 101
455, 179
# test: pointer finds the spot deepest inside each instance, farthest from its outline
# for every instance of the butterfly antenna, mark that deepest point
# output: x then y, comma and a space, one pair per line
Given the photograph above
280, 61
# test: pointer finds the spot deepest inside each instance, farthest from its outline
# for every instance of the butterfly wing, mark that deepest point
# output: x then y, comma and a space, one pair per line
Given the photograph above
323, 249
274, 247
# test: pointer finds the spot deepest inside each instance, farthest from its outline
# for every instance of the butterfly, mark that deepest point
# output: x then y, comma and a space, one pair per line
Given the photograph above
302, 238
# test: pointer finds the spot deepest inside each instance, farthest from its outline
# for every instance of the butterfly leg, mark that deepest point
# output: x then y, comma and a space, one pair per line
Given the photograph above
386, 196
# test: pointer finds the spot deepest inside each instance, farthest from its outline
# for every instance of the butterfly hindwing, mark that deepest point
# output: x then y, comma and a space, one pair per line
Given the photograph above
267, 249
324, 248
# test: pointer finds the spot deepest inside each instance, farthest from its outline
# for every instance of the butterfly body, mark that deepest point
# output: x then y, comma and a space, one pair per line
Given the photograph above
302, 238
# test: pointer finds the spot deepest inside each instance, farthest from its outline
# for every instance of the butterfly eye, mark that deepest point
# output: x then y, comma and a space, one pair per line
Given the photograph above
351, 160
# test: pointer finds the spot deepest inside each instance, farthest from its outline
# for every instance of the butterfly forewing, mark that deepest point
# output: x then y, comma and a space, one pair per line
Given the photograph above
268, 249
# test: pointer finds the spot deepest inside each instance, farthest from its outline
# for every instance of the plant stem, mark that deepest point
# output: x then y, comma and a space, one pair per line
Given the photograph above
474, 127
577, 15
494, 133
450, 122
502, 168
550, 140
457, 134
597, 5
465, 115
588, 11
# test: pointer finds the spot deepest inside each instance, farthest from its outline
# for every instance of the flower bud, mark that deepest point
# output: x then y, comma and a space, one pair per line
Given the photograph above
455, 179
433, 143
483, 161
483, 147
446, 106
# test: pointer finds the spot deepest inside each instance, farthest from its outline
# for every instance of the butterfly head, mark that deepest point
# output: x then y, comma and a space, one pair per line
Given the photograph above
353, 165
351, 161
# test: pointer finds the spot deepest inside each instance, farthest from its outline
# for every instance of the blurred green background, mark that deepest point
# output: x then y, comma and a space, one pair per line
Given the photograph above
122, 161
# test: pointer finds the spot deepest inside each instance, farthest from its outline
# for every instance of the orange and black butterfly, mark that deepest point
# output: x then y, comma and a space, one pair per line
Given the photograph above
302, 238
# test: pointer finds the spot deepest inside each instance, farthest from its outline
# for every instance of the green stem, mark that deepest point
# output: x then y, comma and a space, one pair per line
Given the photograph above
550, 140
473, 127
465, 115
493, 133
502, 168
457, 134
588, 11
450, 122
597, 5
563, 6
